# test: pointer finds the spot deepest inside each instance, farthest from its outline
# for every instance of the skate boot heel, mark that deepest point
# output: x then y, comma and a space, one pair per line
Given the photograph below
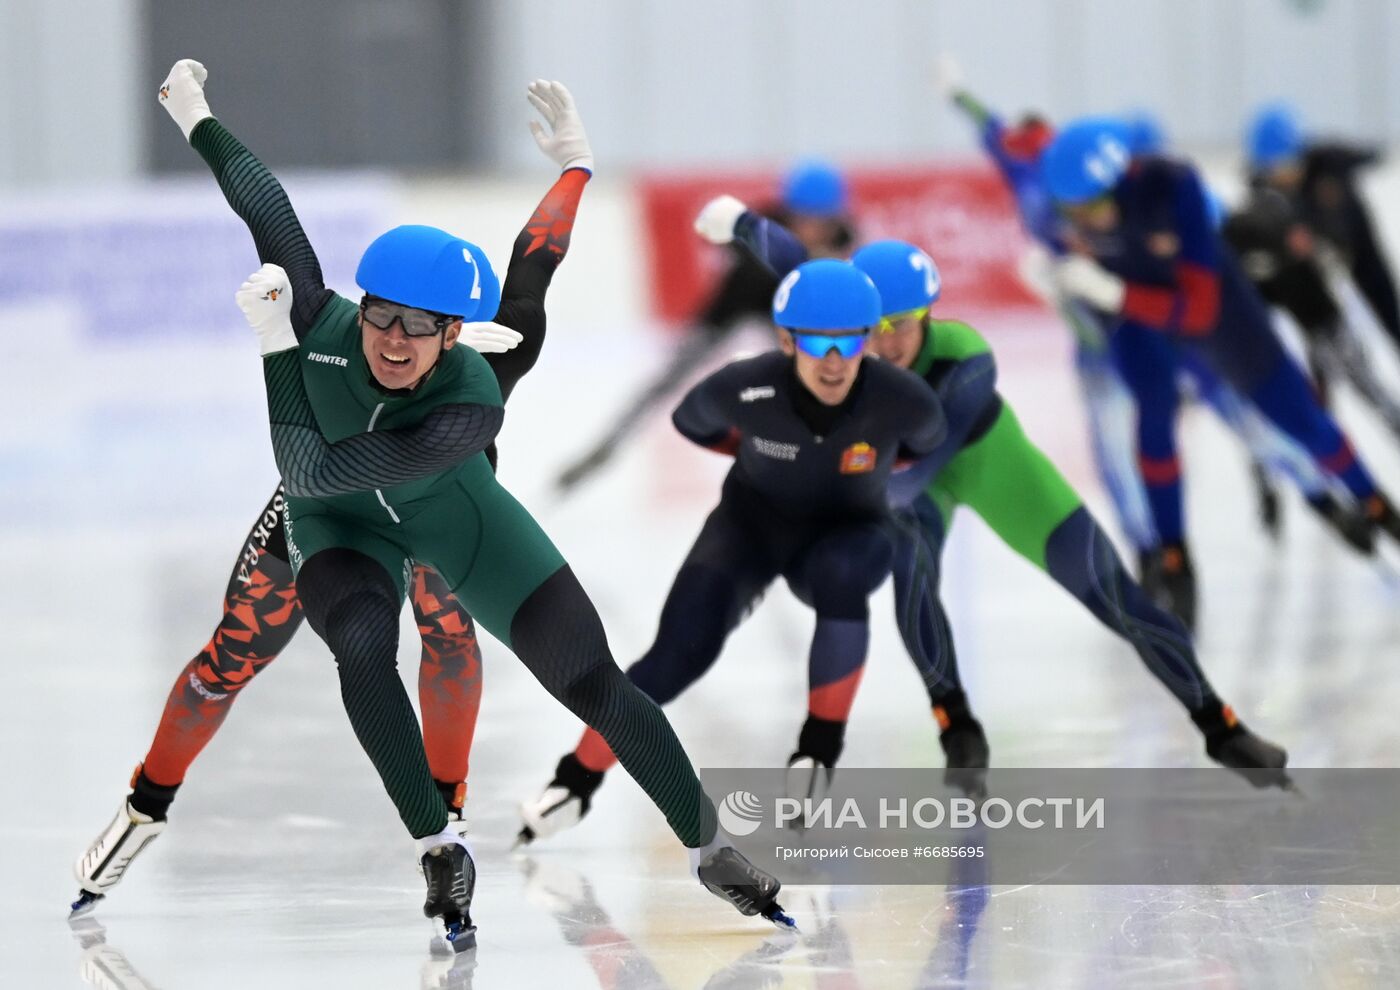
450, 875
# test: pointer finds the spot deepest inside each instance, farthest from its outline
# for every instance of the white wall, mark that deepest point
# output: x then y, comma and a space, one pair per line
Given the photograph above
733, 80
738, 80
68, 75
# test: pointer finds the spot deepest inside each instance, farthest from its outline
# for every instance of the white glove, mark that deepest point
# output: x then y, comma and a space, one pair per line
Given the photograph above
566, 143
716, 219
1036, 270
489, 338
947, 76
1083, 278
266, 301
182, 94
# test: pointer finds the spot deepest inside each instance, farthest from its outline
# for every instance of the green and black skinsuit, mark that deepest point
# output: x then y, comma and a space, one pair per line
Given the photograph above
378, 479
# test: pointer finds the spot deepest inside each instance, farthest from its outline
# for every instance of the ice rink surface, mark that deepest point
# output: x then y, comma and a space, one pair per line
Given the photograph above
285, 865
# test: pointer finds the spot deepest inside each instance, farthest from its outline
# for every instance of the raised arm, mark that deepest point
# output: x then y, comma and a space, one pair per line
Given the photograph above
253, 192
542, 243
725, 219
312, 466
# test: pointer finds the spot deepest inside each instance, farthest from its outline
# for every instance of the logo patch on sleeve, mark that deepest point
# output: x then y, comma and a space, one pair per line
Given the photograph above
859, 458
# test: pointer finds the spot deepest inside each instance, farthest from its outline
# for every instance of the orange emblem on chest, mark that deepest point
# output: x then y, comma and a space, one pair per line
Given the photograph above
858, 458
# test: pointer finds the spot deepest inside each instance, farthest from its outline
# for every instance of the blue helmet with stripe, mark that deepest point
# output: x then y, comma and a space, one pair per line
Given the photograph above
430, 269
1273, 136
904, 275
1086, 159
815, 187
826, 295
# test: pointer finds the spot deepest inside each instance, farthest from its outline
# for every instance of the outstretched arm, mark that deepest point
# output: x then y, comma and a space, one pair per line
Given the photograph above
1191, 304
312, 466
725, 219
969, 400
542, 243
253, 192
949, 83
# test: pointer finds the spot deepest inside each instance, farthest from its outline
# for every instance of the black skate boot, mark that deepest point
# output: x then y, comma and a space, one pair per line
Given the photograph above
964, 745
810, 767
727, 874
1232, 745
1353, 527
562, 805
1170, 581
1270, 514
451, 878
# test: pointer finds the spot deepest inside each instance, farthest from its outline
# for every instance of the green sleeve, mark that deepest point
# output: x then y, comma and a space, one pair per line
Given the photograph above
261, 202
973, 107
311, 466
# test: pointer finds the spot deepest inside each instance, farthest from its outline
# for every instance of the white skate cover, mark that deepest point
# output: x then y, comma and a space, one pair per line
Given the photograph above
552, 812
103, 865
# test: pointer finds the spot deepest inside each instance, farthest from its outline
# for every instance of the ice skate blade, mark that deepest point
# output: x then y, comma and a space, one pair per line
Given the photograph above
523, 838
84, 905
451, 939
780, 918
461, 937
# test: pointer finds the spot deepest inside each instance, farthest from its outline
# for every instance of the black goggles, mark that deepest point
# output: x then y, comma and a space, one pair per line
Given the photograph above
381, 314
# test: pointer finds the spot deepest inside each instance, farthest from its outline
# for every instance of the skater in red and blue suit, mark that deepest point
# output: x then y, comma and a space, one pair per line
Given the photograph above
1146, 251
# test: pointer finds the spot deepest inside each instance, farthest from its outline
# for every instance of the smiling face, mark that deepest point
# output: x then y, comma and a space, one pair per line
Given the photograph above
830, 377
397, 360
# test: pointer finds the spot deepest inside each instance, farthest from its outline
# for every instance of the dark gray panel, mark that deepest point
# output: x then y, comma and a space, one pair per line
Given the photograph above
327, 82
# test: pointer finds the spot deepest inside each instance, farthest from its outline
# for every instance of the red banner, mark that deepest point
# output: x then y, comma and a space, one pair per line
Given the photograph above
962, 215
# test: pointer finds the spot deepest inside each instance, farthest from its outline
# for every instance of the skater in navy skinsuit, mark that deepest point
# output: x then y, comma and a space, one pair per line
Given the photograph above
1145, 249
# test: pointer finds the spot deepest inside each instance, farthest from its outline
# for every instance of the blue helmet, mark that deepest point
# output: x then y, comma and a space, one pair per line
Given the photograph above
1145, 134
904, 275
1273, 136
826, 295
1086, 159
430, 269
816, 187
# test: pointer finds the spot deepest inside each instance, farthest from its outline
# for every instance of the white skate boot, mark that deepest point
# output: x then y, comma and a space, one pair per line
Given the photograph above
562, 805
105, 862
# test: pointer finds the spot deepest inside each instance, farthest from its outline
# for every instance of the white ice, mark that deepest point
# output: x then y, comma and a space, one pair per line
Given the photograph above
125, 496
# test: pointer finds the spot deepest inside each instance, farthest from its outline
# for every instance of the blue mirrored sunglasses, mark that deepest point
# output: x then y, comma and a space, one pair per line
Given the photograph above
819, 345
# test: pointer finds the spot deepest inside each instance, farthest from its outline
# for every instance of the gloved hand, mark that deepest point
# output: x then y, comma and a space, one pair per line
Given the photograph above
489, 338
566, 143
1083, 278
947, 76
266, 301
716, 219
182, 94
1036, 270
